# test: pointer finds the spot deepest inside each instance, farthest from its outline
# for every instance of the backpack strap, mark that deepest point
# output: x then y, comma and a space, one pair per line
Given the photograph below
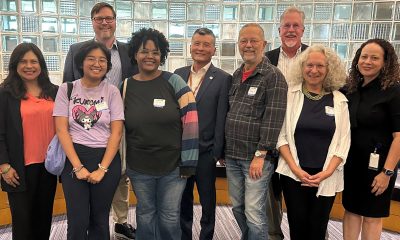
70, 86
124, 85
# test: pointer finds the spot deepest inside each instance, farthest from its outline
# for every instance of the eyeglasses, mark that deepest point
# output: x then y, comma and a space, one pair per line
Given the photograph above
147, 53
93, 61
318, 66
294, 26
253, 42
100, 20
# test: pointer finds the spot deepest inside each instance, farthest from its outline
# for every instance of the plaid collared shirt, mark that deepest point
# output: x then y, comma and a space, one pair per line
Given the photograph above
256, 113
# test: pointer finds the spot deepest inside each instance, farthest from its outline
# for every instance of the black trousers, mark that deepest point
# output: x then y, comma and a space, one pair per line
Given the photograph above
88, 205
32, 210
308, 215
205, 181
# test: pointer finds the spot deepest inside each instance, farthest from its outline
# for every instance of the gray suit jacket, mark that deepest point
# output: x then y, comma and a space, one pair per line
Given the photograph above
71, 71
212, 107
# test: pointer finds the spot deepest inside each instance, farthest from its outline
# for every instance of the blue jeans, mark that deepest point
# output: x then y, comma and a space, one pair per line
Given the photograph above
248, 197
158, 205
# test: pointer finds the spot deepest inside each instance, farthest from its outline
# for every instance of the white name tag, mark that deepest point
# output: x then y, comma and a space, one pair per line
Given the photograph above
329, 111
252, 91
101, 106
373, 161
159, 103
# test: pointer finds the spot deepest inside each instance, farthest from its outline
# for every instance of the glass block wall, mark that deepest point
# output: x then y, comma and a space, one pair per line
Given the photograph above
56, 24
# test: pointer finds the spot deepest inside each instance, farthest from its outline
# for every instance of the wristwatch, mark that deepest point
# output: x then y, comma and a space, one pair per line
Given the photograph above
259, 154
388, 172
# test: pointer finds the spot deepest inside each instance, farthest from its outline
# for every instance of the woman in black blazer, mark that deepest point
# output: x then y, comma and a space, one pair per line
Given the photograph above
26, 128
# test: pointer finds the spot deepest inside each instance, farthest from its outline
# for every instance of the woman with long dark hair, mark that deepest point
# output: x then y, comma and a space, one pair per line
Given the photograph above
371, 169
26, 129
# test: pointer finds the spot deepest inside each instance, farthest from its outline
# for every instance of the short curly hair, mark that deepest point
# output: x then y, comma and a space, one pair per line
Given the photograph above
140, 39
390, 73
336, 75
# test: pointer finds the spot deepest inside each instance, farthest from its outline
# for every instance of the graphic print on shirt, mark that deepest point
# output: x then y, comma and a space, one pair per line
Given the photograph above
86, 117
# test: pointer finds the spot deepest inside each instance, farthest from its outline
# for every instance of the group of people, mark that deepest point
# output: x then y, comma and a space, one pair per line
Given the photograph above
289, 120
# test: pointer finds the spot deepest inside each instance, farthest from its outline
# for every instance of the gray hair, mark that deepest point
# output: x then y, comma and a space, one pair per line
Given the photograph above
293, 9
253, 25
203, 32
336, 75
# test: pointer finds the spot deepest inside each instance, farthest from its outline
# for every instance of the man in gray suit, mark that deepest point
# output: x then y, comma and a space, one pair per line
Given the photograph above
104, 23
210, 85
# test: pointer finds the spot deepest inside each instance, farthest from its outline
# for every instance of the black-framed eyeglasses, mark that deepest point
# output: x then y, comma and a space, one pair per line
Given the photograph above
100, 20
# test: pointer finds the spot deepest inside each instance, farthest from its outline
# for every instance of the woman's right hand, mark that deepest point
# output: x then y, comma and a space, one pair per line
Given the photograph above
303, 176
11, 177
82, 174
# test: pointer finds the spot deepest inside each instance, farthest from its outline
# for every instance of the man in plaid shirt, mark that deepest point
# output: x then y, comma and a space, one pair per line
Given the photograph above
257, 102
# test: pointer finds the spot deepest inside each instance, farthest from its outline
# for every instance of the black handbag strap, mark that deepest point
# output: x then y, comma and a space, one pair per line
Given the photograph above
70, 86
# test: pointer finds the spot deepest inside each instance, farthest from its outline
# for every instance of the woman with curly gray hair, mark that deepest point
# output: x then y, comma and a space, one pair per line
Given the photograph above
314, 141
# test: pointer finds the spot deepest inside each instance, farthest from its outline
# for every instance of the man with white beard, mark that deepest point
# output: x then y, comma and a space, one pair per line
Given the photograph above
291, 31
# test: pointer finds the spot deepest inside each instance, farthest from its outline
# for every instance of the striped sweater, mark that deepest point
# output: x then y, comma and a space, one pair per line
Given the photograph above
190, 133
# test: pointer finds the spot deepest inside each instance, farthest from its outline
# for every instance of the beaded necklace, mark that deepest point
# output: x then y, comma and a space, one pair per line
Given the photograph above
311, 97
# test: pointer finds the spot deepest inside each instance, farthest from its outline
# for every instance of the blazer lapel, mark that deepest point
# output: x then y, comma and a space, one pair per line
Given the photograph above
186, 74
15, 105
208, 78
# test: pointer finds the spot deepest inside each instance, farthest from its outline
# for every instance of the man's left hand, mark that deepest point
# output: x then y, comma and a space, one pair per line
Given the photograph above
256, 168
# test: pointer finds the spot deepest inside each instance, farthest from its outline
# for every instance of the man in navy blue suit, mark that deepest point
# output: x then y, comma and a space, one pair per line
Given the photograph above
210, 86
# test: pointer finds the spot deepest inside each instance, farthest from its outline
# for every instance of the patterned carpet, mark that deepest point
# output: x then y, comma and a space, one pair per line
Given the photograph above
226, 227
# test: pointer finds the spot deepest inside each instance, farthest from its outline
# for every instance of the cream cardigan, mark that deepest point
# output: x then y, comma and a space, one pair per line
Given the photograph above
339, 146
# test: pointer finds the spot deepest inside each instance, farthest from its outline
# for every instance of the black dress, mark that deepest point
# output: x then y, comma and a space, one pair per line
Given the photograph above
374, 116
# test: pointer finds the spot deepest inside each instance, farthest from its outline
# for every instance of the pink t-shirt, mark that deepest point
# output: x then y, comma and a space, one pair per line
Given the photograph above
90, 112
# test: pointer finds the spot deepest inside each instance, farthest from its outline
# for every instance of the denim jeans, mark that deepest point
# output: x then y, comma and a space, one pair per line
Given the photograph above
158, 205
248, 198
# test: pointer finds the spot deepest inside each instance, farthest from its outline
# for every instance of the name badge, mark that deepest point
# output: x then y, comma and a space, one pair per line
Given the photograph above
329, 111
373, 161
101, 106
252, 91
159, 103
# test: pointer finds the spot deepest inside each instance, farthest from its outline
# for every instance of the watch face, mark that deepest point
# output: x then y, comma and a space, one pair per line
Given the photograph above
388, 172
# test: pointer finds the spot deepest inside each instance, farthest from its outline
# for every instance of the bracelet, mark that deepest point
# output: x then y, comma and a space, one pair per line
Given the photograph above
5, 171
102, 168
77, 169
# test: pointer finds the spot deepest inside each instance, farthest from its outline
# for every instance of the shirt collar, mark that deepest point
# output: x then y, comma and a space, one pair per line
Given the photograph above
115, 45
297, 52
203, 69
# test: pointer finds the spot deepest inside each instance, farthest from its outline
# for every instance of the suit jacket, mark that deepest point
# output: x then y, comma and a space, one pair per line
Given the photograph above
71, 71
212, 107
273, 55
11, 138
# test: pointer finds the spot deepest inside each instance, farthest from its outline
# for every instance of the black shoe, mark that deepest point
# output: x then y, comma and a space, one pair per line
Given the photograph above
124, 231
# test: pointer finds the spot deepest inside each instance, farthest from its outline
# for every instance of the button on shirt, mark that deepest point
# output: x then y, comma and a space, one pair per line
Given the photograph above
257, 109
114, 76
284, 62
196, 79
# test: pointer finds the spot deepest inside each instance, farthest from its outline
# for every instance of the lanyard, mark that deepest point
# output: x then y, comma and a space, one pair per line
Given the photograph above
198, 86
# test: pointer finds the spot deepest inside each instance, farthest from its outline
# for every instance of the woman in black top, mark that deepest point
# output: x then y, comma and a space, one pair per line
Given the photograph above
314, 141
370, 172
